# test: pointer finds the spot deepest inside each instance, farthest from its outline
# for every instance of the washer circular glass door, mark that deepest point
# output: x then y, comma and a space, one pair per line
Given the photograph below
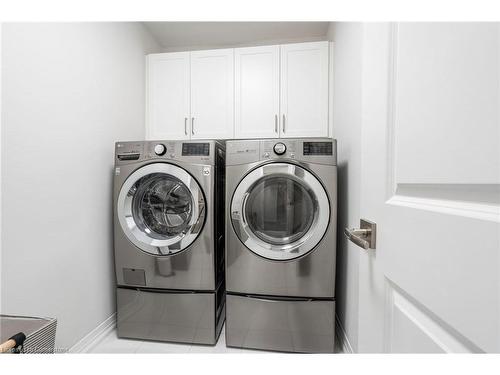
280, 211
161, 209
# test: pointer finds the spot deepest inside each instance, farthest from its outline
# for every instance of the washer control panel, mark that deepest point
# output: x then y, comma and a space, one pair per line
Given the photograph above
195, 149
201, 152
128, 151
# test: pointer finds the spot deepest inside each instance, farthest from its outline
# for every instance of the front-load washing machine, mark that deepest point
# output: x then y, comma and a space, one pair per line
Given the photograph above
281, 204
169, 240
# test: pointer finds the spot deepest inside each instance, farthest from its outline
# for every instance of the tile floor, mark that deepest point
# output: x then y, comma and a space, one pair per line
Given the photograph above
112, 344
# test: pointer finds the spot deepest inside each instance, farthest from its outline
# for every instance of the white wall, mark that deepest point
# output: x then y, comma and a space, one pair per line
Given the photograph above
347, 110
69, 92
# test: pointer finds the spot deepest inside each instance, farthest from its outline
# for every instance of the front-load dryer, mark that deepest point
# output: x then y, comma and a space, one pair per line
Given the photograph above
169, 240
281, 204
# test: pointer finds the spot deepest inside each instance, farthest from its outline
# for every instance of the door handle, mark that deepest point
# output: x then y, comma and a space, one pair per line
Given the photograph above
192, 125
365, 236
283, 126
276, 123
185, 126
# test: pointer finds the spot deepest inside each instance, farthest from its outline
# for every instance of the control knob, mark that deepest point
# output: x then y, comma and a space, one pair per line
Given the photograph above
160, 149
279, 148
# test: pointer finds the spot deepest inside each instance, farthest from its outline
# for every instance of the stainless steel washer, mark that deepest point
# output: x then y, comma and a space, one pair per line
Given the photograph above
281, 201
169, 240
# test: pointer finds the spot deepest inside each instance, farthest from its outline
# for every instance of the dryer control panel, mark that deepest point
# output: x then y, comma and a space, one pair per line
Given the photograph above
317, 150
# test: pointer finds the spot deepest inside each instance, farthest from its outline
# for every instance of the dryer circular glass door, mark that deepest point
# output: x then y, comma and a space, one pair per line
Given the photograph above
161, 209
280, 211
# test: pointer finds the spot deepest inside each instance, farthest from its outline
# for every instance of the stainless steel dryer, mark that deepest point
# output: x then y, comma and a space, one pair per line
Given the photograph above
281, 198
169, 240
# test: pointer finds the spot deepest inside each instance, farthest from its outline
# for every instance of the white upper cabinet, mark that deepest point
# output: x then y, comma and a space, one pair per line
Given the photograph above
168, 112
212, 94
304, 90
191, 95
257, 92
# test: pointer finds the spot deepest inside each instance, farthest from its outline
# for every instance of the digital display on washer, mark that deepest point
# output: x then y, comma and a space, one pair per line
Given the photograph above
195, 149
318, 148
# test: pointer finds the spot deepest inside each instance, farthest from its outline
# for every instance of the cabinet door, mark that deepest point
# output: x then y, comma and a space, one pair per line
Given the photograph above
304, 90
257, 92
168, 96
212, 94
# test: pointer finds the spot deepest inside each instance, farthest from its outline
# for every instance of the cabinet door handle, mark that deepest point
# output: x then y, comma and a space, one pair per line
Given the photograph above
185, 126
276, 123
192, 125
283, 123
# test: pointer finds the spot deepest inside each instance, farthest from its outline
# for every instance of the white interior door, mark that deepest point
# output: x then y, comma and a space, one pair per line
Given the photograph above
257, 92
304, 90
168, 96
212, 94
431, 182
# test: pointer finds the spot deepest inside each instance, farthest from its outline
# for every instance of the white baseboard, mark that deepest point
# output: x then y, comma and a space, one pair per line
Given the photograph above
94, 336
345, 345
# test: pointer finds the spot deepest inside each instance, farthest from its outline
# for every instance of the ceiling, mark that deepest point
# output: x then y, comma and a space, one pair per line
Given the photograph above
193, 35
